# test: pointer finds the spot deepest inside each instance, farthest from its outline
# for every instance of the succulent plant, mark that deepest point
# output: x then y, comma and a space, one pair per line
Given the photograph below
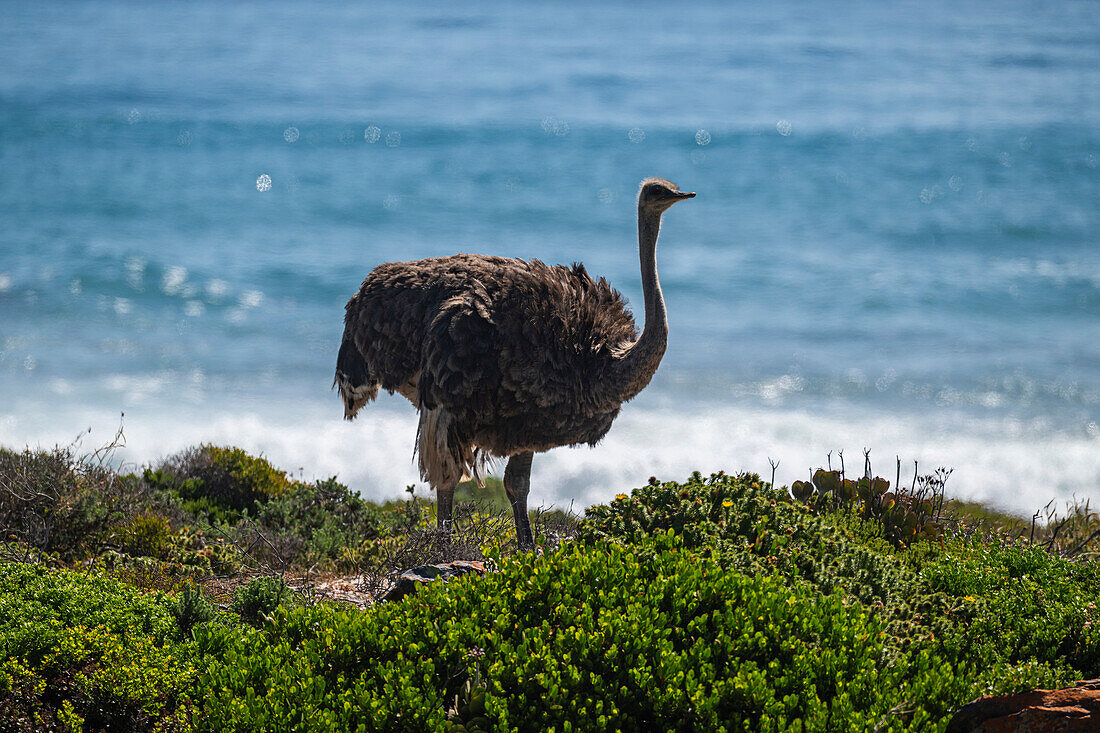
906, 515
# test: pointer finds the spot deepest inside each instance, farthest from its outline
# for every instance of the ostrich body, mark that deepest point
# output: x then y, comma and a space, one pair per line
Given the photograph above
503, 357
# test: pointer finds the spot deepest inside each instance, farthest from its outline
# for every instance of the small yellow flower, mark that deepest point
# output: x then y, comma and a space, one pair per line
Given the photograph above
727, 503
621, 496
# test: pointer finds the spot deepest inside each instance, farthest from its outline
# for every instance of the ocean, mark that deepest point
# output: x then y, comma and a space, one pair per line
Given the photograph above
893, 247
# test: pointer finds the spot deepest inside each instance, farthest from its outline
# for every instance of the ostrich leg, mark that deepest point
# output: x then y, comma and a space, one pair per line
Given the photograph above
517, 483
444, 499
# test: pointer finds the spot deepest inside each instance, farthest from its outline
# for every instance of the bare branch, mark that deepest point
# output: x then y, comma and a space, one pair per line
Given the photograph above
1083, 544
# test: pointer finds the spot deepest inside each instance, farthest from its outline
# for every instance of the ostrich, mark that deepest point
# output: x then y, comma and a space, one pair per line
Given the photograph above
503, 358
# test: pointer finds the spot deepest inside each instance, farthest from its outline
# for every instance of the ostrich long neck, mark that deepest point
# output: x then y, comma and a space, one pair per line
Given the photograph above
638, 362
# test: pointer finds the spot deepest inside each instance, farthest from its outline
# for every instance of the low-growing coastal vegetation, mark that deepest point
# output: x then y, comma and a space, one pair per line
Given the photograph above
188, 595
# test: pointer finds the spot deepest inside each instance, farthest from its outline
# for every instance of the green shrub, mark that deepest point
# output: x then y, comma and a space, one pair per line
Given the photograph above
698, 510
750, 526
190, 496
196, 549
260, 597
957, 641
330, 522
586, 638
189, 608
75, 647
1022, 605
146, 535
252, 476
218, 481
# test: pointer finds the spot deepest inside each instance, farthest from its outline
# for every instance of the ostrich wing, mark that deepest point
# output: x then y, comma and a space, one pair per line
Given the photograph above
458, 367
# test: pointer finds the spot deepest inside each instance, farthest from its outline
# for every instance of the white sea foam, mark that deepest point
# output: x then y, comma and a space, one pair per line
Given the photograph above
1014, 465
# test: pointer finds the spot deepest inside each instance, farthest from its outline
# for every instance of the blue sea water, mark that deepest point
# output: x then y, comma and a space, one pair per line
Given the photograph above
894, 245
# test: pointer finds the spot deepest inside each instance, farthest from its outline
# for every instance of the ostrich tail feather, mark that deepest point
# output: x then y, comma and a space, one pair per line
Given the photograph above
444, 458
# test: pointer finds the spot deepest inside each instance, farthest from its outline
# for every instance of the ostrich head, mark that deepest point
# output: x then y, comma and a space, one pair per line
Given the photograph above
657, 194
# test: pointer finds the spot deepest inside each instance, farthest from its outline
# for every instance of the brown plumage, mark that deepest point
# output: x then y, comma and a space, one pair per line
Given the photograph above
503, 357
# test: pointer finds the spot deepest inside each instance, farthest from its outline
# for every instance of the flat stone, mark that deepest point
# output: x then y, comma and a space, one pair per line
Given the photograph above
411, 579
1071, 710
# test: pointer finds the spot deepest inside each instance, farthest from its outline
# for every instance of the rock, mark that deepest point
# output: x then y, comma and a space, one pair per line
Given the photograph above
1072, 710
409, 580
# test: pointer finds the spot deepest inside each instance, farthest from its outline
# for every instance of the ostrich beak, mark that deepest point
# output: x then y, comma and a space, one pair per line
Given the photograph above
680, 195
